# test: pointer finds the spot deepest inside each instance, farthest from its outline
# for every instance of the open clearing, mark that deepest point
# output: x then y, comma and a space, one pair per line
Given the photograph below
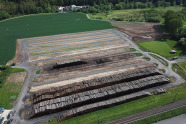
162, 48
139, 31
11, 88
42, 25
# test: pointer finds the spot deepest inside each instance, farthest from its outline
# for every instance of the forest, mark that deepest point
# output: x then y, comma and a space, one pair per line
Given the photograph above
11, 8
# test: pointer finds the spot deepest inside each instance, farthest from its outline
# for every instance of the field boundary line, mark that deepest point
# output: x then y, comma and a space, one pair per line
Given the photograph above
26, 15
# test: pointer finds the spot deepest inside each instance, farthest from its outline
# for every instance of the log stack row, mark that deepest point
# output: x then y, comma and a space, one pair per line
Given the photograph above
100, 105
96, 95
76, 87
68, 64
86, 63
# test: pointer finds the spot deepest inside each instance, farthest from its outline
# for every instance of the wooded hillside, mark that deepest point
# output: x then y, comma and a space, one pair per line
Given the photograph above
19, 7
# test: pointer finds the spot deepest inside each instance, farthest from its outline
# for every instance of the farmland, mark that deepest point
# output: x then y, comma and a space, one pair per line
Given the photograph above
42, 25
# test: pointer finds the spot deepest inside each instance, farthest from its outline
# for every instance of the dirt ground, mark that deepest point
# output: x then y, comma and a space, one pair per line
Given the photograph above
139, 31
17, 77
17, 58
87, 70
85, 56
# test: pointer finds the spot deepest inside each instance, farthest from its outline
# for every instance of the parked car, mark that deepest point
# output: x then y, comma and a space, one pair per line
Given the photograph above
2, 119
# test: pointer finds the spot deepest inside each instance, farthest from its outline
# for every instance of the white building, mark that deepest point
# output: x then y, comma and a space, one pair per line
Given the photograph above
60, 8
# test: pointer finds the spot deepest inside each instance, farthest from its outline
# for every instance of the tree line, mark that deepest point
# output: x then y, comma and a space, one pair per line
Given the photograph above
174, 26
20, 7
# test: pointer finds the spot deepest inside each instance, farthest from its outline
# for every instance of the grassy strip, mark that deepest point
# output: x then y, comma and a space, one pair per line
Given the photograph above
76, 48
5, 71
180, 71
127, 109
164, 62
147, 58
38, 71
16, 70
132, 49
161, 116
9, 91
182, 65
138, 54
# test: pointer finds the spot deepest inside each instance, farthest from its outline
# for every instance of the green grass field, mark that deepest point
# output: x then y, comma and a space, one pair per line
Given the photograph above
161, 116
10, 91
180, 71
130, 108
43, 25
182, 65
162, 48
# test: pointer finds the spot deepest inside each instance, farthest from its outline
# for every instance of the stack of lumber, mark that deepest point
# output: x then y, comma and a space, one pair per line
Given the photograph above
96, 95
100, 105
92, 84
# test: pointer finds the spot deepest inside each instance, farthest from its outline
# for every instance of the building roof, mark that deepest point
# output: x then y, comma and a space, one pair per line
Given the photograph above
173, 51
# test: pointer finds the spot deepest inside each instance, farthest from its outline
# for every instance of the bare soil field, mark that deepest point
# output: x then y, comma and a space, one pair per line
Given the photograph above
85, 56
73, 47
68, 53
72, 39
18, 56
139, 31
57, 44
16, 77
45, 38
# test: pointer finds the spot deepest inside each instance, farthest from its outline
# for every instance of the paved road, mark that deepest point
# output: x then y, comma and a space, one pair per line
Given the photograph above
175, 120
149, 113
22, 94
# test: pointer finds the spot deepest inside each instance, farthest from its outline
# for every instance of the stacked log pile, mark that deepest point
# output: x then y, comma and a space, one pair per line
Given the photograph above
100, 105
96, 95
92, 84
85, 63
68, 64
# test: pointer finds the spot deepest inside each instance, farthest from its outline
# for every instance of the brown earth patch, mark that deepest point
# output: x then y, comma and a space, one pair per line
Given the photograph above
16, 77
139, 31
17, 58
85, 56
61, 36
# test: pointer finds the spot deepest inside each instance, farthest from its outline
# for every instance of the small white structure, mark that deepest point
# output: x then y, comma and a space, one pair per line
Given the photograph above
73, 7
173, 51
60, 8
